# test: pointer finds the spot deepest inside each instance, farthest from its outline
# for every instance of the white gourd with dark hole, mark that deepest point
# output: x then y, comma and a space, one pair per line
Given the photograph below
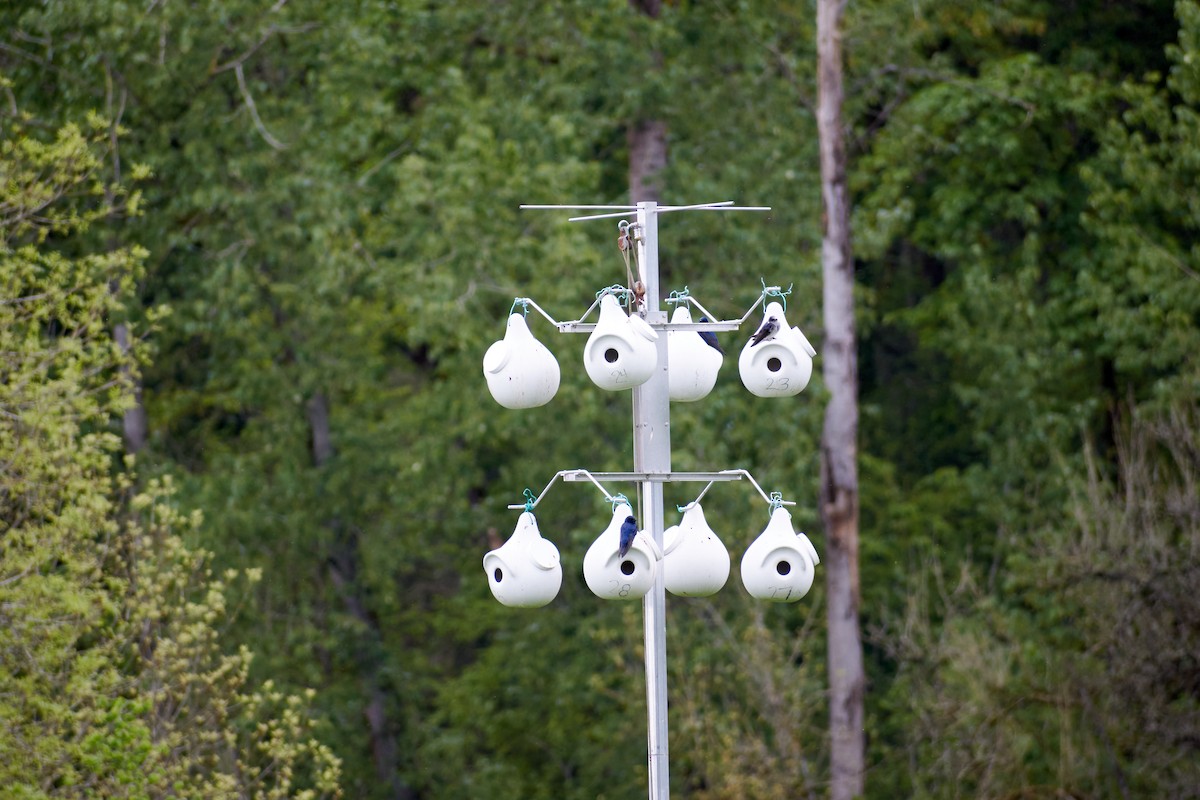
621, 352
521, 372
613, 577
524, 572
781, 364
780, 564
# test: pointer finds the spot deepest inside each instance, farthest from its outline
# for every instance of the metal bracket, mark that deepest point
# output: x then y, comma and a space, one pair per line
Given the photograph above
579, 326
582, 475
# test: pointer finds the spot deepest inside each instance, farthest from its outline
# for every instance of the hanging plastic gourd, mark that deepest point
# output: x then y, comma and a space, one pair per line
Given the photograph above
621, 352
613, 576
524, 572
778, 360
695, 562
691, 361
521, 372
780, 564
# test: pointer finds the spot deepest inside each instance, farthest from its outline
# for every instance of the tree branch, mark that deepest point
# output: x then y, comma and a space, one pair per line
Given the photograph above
258, 123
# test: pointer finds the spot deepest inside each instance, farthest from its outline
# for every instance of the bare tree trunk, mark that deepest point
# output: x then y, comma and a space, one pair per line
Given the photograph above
647, 157
647, 137
134, 424
839, 445
317, 412
343, 574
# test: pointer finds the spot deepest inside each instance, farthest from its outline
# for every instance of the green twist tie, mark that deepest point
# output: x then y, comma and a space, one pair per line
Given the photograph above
523, 302
675, 298
618, 499
616, 289
530, 500
775, 291
776, 501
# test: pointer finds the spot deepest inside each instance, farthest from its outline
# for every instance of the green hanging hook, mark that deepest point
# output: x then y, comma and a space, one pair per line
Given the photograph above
775, 291
675, 298
616, 289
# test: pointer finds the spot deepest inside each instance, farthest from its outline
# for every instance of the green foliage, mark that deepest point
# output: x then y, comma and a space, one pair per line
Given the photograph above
340, 220
1142, 286
1030, 234
1127, 576
59, 380
214, 733
328, 203
1076, 678
749, 682
112, 679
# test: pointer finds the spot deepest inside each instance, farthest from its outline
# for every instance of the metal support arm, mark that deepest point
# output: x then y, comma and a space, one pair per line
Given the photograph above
582, 475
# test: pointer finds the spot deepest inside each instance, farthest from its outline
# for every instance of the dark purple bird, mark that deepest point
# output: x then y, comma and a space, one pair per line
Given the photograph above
710, 338
628, 531
768, 328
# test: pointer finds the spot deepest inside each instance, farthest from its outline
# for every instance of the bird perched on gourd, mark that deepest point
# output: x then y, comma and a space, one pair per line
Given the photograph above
628, 531
710, 338
766, 330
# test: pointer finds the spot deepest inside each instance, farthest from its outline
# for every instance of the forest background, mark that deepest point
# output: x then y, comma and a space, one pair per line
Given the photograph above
252, 253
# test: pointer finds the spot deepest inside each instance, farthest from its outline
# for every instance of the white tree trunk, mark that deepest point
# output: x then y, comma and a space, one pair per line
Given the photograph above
839, 439
134, 425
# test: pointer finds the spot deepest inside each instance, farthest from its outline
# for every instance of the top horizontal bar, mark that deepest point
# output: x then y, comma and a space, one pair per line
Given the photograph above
582, 208
723, 206
721, 327
612, 215
625, 210
631, 207
655, 477
714, 207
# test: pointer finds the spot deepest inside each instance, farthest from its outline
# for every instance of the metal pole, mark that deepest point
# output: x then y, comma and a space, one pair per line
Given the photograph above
652, 460
652, 454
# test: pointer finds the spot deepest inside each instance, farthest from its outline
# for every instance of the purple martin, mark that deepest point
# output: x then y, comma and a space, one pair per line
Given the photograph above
710, 338
768, 328
628, 531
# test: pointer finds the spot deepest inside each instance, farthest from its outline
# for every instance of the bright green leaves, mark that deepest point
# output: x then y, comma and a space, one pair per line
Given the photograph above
214, 732
59, 385
58, 186
113, 682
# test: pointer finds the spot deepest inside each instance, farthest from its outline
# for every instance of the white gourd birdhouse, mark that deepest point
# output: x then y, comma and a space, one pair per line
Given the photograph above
780, 564
695, 562
692, 364
613, 577
524, 572
781, 364
521, 372
621, 352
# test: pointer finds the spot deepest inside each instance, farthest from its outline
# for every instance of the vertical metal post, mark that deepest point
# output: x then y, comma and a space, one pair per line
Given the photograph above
652, 453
